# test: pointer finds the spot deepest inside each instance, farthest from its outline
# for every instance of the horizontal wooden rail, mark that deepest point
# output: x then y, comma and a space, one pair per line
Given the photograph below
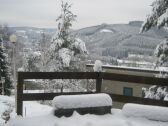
138, 100
58, 75
135, 79
94, 75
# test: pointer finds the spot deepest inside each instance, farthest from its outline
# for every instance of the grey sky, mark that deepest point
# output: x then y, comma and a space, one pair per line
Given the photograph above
42, 13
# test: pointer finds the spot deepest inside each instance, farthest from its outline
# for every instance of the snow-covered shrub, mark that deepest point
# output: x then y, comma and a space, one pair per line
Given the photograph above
146, 111
97, 66
32, 61
155, 92
166, 97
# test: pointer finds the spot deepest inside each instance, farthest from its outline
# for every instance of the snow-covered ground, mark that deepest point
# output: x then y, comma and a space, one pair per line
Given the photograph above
106, 31
42, 115
33, 108
6, 104
114, 119
30, 108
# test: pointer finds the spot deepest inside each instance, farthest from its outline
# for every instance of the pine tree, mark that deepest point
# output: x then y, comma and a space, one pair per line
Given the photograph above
4, 70
159, 18
65, 48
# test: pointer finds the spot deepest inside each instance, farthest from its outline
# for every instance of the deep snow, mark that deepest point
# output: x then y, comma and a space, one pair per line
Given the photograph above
114, 119
42, 115
81, 101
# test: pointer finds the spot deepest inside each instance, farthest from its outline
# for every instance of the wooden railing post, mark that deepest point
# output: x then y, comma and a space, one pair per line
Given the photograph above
19, 95
98, 82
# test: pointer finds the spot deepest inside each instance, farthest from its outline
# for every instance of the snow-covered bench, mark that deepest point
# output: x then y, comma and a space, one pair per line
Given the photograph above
64, 105
146, 111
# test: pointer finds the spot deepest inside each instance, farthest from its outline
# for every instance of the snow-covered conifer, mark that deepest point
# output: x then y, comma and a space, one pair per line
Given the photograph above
65, 49
64, 46
158, 16
4, 72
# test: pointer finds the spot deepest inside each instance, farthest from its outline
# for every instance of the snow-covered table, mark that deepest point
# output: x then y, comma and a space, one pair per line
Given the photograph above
89, 103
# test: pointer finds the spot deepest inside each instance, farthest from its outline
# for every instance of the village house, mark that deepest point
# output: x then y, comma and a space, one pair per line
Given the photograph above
124, 88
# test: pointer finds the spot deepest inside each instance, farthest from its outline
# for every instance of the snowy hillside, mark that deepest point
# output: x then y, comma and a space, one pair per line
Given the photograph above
117, 40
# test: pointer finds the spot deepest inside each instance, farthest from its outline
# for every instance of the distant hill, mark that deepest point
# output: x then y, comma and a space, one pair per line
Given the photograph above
114, 40
14, 29
117, 40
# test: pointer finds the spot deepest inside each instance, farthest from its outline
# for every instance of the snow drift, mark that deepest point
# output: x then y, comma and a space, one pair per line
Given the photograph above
81, 101
146, 111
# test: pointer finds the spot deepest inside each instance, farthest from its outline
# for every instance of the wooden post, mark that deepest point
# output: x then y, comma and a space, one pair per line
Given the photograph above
0, 87
19, 96
98, 82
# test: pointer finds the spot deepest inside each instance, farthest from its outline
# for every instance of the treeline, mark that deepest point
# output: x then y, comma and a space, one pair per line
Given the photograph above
123, 51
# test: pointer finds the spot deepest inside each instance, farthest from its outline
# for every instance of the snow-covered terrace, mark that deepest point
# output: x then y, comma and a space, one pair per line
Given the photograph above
115, 119
98, 76
37, 114
128, 116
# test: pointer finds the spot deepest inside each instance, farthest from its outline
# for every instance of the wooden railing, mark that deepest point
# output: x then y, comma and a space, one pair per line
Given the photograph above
87, 75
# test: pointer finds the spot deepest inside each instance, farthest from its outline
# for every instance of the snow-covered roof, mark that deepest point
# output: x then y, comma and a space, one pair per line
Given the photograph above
157, 70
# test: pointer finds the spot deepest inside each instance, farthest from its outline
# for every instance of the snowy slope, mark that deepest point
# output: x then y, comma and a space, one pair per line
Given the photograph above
120, 38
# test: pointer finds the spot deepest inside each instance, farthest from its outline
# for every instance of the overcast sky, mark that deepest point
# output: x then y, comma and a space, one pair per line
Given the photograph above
42, 13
